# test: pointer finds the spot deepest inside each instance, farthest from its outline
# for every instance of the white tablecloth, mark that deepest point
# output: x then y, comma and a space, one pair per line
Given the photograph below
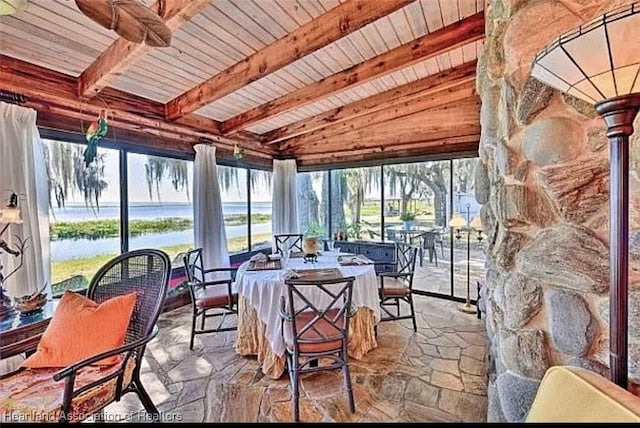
262, 289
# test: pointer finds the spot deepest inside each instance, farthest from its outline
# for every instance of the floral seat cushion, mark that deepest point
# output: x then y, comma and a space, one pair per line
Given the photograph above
32, 395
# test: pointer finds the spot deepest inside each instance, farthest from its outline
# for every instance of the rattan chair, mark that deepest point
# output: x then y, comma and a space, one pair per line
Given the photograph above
286, 241
316, 331
208, 295
88, 389
398, 285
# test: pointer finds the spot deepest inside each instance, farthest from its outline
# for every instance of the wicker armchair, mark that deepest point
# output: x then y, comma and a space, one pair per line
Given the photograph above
399, 284
314, 332
87, 389
209, 295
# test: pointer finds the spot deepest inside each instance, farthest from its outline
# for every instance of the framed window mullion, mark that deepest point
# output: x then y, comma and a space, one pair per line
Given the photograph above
124, 203
249, 243
382, 203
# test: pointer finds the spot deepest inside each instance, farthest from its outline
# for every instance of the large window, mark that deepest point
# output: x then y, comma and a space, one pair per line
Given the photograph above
87, 214
261, 189
313, 202
410, 203
84, 213
160, 204
356, 200
235, 207
415, 198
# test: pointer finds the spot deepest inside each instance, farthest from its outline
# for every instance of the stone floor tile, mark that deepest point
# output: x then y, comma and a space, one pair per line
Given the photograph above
447, 366
467, 407
446, 380
448, 352
472, 366
476, 352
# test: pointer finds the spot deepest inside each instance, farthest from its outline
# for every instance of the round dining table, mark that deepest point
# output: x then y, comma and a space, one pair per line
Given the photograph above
259, 295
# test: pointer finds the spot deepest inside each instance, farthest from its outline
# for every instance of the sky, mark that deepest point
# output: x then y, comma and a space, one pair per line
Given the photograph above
139, 192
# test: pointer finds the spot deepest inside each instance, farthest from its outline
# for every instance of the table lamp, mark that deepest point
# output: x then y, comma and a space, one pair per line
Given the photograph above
599, 62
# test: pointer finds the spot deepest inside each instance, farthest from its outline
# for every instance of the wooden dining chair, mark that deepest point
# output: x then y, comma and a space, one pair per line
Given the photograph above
395, 287
286, 241
208, 295
314, 331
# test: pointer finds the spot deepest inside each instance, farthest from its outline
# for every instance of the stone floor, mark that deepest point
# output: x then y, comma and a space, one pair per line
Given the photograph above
437, 374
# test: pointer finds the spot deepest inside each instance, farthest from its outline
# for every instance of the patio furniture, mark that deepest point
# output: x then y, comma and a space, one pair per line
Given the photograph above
39, 395
259, 327
209, 294
404, 234
398, 285
427, 241
286, 241
315, 331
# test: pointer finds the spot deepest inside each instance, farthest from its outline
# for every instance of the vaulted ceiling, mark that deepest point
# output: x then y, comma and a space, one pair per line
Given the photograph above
321, 80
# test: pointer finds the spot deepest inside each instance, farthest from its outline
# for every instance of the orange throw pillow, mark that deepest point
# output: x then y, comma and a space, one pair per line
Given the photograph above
81, 328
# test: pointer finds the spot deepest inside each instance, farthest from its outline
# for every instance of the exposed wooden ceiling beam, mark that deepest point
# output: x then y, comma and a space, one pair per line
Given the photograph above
452, 120
428, 46
122, 54
385, 100
466, 144
322, 31
48, 90
444, 99
48, 119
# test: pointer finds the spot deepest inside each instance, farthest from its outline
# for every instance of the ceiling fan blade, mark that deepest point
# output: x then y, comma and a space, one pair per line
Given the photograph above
130, 19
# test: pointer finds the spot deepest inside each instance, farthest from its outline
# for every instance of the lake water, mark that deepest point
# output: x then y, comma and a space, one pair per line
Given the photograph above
78, 248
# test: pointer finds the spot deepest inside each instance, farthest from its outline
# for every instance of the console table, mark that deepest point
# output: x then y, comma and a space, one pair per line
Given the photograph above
21, 333
383, 254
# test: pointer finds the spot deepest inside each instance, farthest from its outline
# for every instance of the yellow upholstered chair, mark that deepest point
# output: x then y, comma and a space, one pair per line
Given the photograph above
573, 394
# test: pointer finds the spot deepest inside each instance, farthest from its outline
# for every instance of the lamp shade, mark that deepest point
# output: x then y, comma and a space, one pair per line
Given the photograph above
9, 7
476, 223
10, 215
597, 61
457, 221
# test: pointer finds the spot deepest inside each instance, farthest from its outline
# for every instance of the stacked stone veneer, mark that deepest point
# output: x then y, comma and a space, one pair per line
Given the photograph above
543, 181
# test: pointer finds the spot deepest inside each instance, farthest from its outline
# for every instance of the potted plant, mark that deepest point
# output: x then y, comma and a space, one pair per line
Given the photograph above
407, 218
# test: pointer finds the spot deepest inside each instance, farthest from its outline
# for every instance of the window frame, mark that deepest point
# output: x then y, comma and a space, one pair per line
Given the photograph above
124, 148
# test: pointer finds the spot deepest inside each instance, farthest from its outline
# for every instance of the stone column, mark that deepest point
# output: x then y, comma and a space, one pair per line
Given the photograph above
543, 181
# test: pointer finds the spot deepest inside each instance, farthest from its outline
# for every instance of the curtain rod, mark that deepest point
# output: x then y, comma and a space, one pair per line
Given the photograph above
12, 97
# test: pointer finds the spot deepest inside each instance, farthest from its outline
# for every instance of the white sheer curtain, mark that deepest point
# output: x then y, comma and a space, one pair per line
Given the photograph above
207, 209
284, 201
23, 170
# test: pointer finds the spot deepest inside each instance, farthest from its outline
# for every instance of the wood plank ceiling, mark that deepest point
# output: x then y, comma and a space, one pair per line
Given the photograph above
359, 78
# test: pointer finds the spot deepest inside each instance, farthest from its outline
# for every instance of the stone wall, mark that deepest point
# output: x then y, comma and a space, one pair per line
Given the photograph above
543, 181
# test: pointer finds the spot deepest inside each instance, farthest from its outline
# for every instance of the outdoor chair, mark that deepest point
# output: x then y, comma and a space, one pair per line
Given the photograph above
83, 389
285, 241
209, 294
391, 235
395, 287
316, 332
427, 241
